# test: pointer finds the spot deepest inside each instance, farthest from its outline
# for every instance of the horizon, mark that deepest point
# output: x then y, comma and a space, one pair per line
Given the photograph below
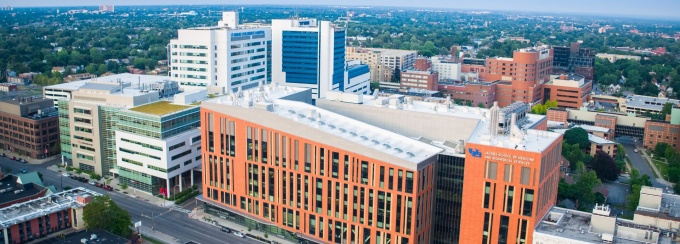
622, 8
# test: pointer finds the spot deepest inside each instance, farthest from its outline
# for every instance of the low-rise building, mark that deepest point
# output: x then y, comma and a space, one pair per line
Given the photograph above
614, 57
570, 91
15, 189
8, 87
29, 126
447, 67
639, 104
37, 218
419, 79
474, 93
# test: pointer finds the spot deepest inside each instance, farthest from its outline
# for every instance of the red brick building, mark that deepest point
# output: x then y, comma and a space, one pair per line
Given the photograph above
570, 91
29, 127
523, 75
474, 92
417, 79
37, 218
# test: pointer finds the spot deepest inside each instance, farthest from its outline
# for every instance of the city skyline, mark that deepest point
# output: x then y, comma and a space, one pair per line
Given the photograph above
629, 8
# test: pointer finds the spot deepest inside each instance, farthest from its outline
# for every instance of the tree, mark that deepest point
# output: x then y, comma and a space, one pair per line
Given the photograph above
481, 105
584, 186
604, 166
396, 75
660, 149
104, 213
578, 136
468, 103
633, 199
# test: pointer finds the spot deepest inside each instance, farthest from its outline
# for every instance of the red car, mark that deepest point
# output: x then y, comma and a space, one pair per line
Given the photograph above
108, 188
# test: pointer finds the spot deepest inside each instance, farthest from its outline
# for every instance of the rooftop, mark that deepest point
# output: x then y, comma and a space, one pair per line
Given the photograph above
390, 52
592, 138
160, 108
593, 128
349, 131
593, 228
97, 236
41, 206
470, 124
647, 102
133, 84
15, 187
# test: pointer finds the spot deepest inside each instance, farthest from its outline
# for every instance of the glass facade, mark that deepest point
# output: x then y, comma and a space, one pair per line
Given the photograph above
107, 127
449, 199
300, 56
140, 180
159, 127
65, 131
339, 58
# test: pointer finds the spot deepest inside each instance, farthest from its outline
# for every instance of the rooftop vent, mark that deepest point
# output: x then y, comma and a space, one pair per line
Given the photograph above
376, 142
353, 133
410, 154
342, 130
364, 138
387, 145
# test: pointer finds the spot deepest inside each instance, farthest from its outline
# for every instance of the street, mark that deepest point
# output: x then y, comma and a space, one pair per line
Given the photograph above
638, 162
165, 220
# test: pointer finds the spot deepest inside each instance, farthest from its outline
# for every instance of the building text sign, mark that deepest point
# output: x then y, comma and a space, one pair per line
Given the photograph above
508, 158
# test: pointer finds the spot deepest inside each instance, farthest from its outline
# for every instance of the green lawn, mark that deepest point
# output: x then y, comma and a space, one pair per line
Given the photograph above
662, 167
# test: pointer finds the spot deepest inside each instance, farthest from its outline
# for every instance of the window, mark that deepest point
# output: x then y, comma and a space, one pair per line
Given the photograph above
187, 152
157, 148
487, 194
138, 153
178, 145
83, 129
409, 182
195, 139
86, 157
486, 235
509, 194
133, 162
82, 120
528, 202
82, 138
86, 148
82, 111
491, 170
526, 175
503, 229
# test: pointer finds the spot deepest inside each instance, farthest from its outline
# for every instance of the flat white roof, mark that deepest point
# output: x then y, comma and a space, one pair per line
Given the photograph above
390, 52
533, 140
336, 128
22, 212
593, 128
133, 79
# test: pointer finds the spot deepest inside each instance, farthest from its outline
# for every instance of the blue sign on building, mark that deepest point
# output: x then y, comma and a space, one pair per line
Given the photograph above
475, 153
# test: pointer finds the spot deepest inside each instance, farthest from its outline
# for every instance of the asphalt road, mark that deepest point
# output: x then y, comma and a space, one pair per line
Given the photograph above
638, 162
169, 222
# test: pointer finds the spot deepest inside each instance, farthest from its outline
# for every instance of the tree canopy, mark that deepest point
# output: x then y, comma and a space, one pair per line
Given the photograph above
104, 213
578, 136
604, 166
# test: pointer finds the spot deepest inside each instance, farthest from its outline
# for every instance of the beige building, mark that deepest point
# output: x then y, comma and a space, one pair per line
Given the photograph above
656, 220
614, 57
382, 62
87, 120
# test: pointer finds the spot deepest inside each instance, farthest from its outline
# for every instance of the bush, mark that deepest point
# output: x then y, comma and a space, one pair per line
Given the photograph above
69, 168
123, 186
186, 197
249, 229
79, 171
266, 235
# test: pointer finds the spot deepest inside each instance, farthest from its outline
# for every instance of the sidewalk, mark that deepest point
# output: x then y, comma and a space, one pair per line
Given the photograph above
29, 160
199, 214
131, 192
147, 231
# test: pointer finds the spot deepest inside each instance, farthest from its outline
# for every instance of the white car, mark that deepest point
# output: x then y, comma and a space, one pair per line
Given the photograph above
635, 150
92, 183
66, 174
239, 234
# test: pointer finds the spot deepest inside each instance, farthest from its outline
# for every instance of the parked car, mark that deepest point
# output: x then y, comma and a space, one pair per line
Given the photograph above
225, 229
99, 185
635, 150
2, 154
66, 174
239, 234
24, 170
21, 160
14, 158
108, 188
92, 183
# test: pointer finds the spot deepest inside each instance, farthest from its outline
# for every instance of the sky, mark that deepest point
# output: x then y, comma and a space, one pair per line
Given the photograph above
631, 8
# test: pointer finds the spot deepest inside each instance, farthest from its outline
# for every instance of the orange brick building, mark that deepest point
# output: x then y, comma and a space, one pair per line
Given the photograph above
524, 74
570, 91
300, 172
507, 191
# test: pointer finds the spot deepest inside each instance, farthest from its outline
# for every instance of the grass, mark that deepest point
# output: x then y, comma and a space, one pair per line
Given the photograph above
152, 240
159, 108
662, 167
